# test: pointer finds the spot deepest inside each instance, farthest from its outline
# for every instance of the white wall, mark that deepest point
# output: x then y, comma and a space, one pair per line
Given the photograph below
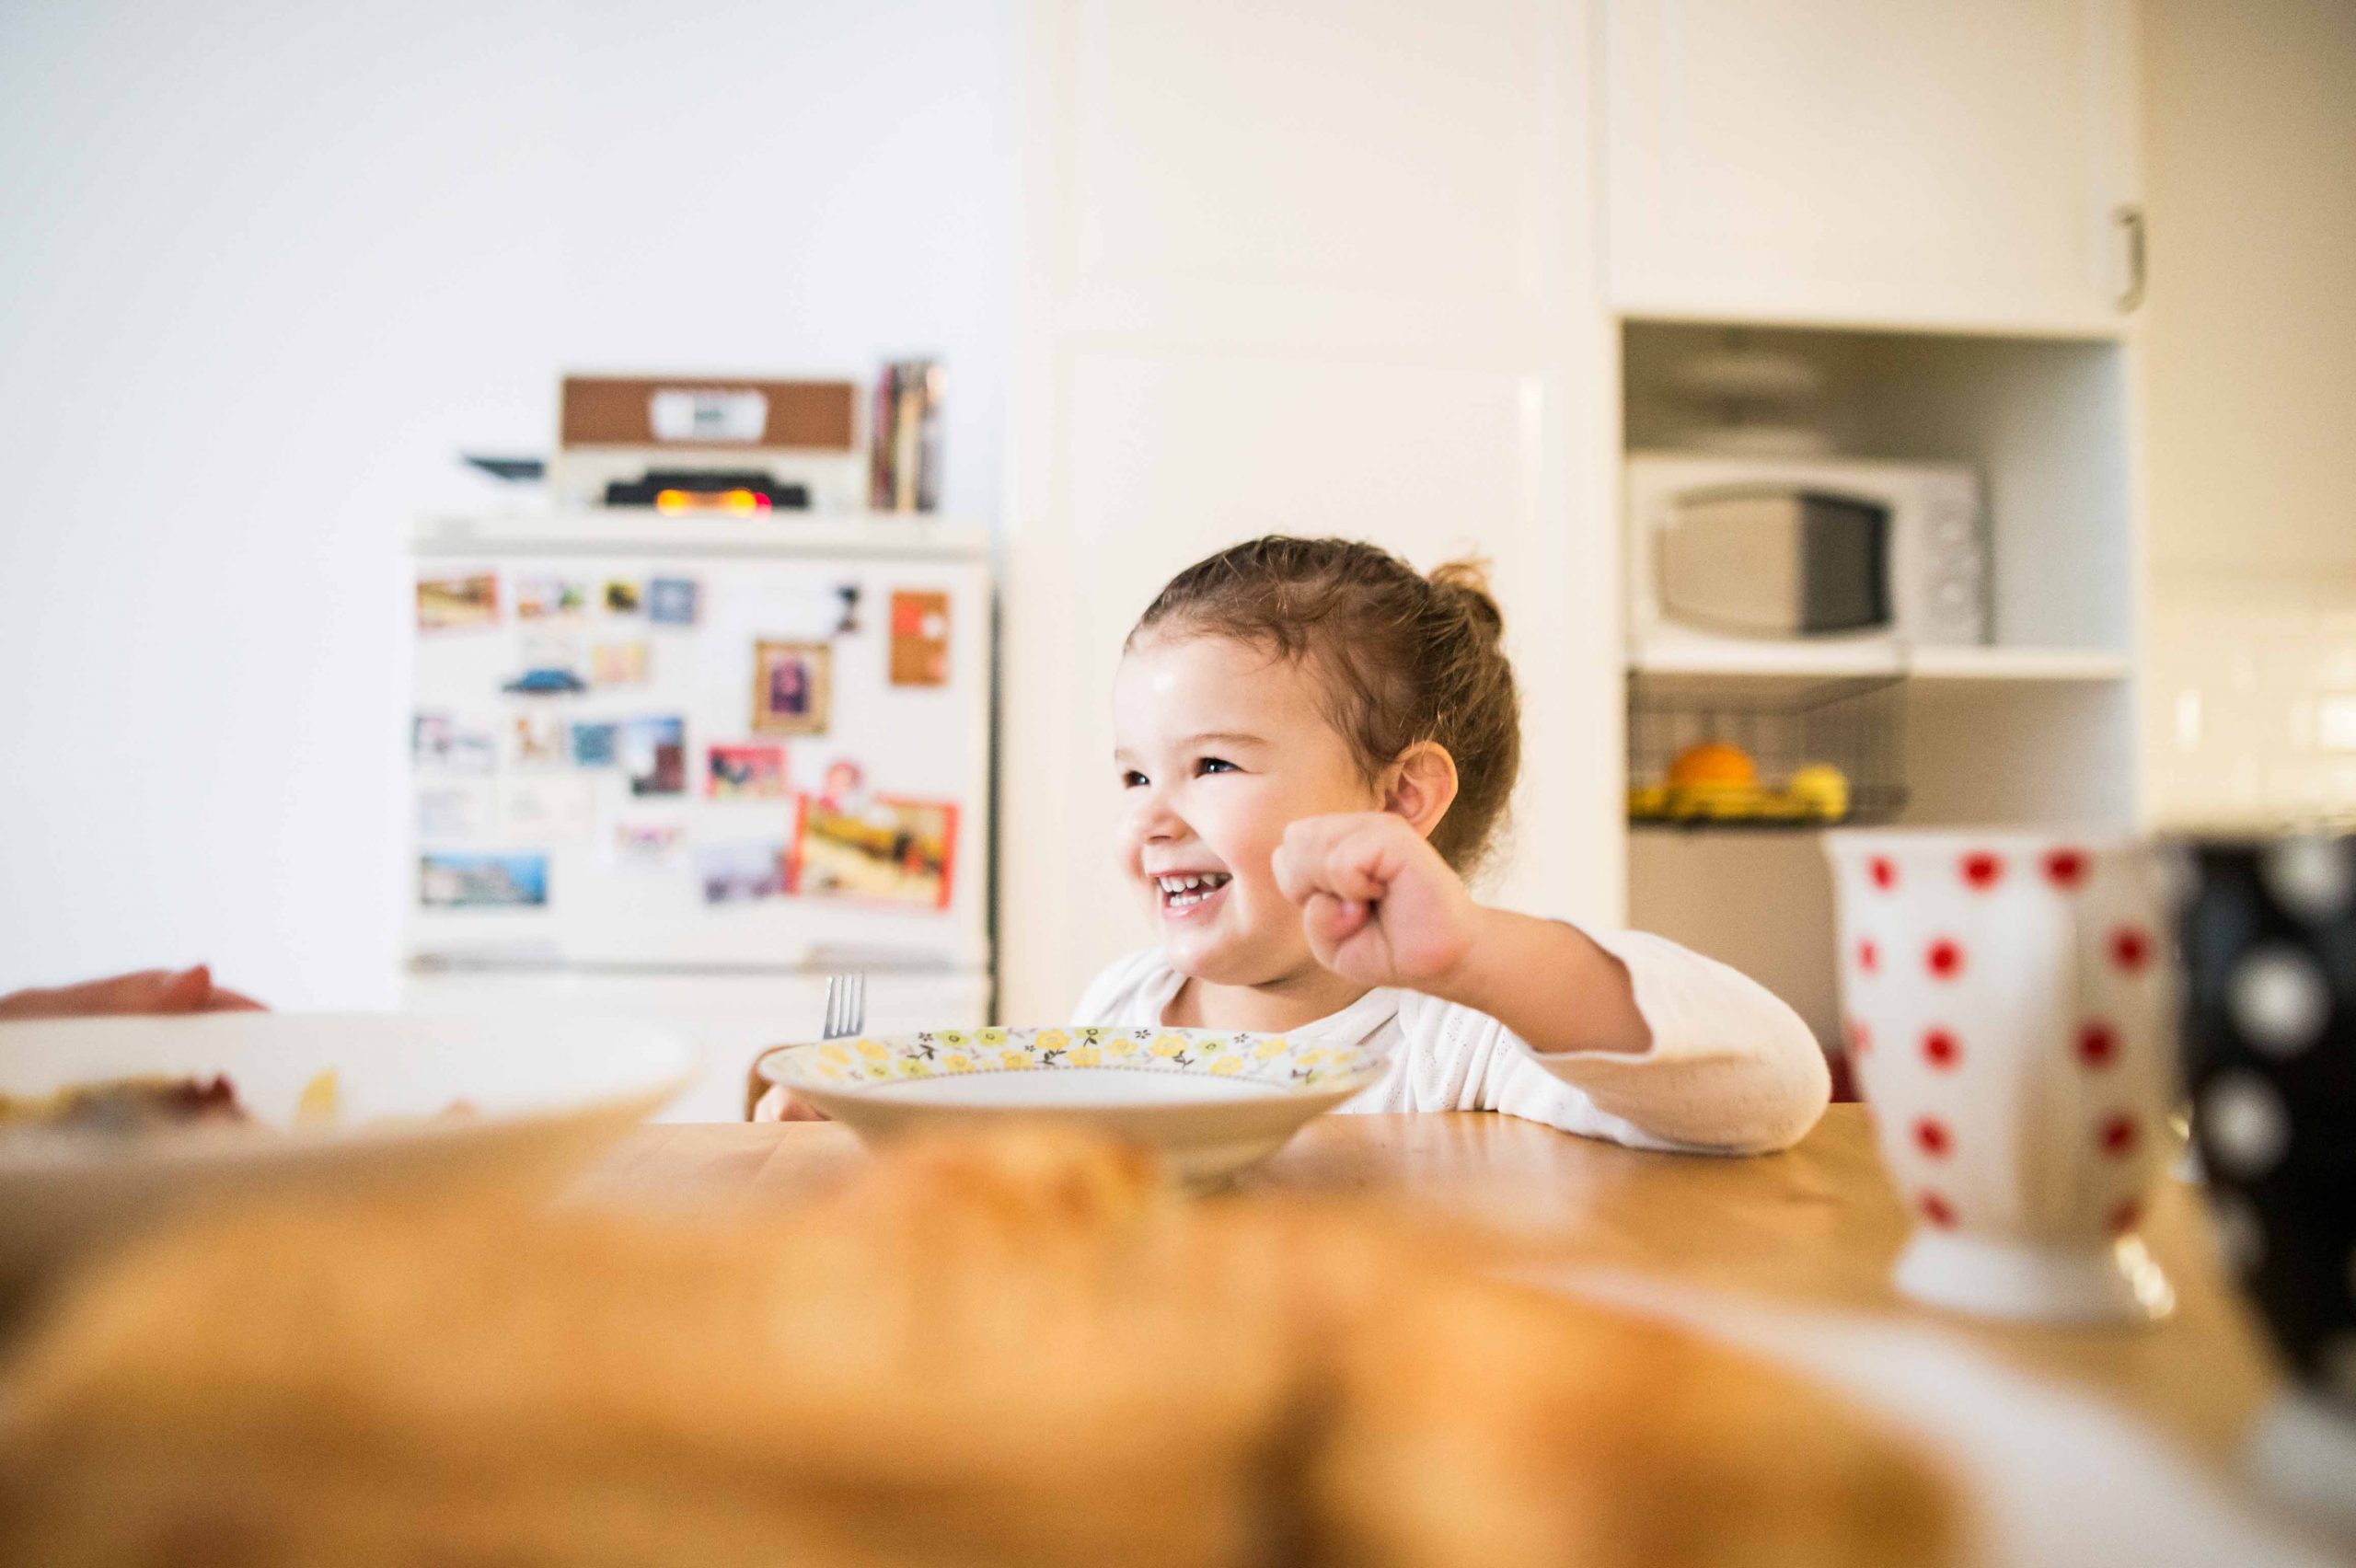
266, 266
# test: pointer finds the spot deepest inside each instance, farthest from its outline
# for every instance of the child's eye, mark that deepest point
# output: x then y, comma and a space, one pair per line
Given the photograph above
1131, 779
1214, 764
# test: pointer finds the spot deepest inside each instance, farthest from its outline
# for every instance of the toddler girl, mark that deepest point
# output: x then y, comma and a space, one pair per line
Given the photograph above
1315, 744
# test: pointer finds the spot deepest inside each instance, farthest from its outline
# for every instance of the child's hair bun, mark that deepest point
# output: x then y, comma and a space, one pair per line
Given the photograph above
1465, 583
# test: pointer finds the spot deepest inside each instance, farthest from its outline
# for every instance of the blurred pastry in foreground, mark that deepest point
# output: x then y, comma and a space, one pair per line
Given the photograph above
1020, 1350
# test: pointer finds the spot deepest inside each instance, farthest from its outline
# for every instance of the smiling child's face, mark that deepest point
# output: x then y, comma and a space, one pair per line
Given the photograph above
1216, 747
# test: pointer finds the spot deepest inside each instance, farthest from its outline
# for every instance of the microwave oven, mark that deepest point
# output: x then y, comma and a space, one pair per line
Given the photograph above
1725, 551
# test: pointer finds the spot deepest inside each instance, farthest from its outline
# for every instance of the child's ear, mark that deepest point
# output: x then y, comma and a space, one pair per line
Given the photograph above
1422, 786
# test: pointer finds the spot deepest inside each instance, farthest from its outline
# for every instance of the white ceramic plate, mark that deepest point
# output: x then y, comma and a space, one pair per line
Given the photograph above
543, 1096
1211, 1102
2054, 1476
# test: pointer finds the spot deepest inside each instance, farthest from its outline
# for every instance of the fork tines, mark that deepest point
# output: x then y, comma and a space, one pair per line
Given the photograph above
845, 1005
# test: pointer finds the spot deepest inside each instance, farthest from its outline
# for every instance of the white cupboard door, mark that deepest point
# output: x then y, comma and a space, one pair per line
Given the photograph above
1948, 163
1303, 267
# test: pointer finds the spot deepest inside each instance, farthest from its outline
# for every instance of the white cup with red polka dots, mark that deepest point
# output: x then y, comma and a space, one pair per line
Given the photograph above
2010, 1010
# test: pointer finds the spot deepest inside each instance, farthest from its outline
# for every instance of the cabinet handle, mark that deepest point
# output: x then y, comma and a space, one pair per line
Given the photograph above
2130, 220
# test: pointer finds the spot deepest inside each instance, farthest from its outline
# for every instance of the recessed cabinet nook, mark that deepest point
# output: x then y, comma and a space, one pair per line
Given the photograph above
1431, 277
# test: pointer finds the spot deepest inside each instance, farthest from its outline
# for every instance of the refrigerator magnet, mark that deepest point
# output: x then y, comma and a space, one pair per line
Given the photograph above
442, 742
843, 789
483, 882
536, 740
848, 626
654, 754
595, 746
897, 851
451, 603
624, 597
551, 668
648, 846
733, 874
921, 639
673, 600
457, 810
558, 810
746, 773
620, 663
790, 684
545, 598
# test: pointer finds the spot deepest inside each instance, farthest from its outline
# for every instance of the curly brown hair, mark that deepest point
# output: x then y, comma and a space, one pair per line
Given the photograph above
1403, 658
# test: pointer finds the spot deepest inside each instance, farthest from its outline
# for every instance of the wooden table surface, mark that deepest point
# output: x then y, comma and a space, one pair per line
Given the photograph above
1815, 1227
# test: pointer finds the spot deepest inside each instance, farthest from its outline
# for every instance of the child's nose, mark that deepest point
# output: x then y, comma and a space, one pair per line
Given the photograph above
1156, 821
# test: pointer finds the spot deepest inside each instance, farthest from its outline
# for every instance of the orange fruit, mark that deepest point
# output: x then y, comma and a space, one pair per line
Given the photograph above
1713, 763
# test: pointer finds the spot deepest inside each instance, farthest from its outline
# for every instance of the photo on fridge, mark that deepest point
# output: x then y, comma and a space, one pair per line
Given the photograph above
789, 688
746, 773
654, 755
442, 742
446, 603
595, 746
536, 740
619, 664
893, 852
483, 882
732, 873
673, 600
541, 598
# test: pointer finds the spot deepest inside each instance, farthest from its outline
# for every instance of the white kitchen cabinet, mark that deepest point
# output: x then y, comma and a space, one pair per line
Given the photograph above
1308, 267
1945, 164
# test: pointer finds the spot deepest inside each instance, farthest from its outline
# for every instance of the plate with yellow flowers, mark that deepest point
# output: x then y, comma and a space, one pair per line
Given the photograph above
1211, 1102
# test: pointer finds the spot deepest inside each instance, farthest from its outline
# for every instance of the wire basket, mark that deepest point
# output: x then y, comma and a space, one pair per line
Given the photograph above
1720, 753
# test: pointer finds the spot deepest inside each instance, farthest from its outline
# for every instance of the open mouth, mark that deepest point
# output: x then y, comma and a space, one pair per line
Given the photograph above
1182, 892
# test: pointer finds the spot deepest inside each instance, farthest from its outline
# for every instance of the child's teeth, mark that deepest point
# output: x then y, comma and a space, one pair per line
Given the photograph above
1191, 888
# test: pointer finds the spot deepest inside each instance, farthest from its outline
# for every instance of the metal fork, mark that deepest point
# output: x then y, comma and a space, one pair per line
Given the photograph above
845, 1005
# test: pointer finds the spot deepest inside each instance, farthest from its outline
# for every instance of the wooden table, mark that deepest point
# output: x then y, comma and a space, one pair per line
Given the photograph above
1815, 1227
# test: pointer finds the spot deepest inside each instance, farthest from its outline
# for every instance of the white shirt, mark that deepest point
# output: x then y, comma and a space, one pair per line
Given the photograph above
1731, 1068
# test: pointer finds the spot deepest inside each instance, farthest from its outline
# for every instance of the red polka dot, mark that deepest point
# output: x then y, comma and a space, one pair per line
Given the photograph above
1940, 1049
2130, 949
1944, 959
2118, 1134
1931, 1136
2125, 1216
1861, 1039
1983, 871
1868, 956
1937, 1210
2065, 869
1883, 871
2097, 1044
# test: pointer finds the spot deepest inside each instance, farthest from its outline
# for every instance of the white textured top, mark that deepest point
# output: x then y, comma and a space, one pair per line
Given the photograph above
1731, 1068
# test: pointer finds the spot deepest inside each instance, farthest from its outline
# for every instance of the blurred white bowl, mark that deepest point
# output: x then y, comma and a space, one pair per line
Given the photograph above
540, 1098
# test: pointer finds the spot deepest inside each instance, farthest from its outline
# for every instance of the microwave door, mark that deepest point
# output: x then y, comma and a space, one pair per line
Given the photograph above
1847, 567
1781, 564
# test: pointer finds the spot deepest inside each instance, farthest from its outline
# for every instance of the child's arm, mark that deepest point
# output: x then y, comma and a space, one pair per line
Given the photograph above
1381, 907
1663, 1047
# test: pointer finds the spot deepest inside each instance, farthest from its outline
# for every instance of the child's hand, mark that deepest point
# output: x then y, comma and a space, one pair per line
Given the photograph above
1379, 905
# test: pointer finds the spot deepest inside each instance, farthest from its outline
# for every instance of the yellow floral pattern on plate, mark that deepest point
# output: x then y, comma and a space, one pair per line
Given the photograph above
1270, 1059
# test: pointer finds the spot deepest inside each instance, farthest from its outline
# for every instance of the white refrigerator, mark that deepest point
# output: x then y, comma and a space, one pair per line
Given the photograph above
683, 768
